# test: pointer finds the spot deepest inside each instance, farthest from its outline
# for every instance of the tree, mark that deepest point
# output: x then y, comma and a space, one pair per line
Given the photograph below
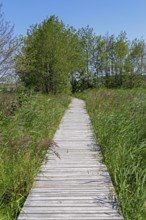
108, 58
87, 41
135, 64
48, 57
55, 58
7, 47
121, 53
77, 59
117, 62
136, 56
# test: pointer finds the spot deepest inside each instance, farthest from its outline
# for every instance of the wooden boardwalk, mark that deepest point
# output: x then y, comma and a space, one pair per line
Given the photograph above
76, 185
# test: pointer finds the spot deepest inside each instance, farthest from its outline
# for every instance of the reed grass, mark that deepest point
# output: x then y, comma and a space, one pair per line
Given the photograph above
25, 136
119, 121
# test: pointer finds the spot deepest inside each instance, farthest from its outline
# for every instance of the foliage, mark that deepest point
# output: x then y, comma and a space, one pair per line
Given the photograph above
87, 42
49, 55
58, 59
25, 136
119, 121
110, 61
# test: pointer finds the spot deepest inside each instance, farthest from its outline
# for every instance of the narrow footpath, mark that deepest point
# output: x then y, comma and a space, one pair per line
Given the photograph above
73, 183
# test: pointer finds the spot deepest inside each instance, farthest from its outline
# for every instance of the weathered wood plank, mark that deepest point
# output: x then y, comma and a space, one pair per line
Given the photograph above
86, 216
77, 185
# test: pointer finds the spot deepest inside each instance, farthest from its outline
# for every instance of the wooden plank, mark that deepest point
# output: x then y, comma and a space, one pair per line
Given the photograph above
77, 185
71, 216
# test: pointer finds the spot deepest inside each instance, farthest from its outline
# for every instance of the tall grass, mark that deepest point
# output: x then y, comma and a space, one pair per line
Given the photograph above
6, 100
119, 121
24, 138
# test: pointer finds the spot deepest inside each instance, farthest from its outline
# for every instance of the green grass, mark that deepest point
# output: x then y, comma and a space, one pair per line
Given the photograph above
119, 121
25, 136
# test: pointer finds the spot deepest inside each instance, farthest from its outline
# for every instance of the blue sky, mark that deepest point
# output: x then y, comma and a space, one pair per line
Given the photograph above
112, 16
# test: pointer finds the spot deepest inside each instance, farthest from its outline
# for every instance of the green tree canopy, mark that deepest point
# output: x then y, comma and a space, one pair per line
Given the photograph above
49, 55
56, 58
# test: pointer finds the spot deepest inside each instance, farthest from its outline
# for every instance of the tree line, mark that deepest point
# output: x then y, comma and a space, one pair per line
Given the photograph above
56, 58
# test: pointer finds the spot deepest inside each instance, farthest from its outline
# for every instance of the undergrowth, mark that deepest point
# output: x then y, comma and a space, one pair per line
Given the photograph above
119, 121
27, 127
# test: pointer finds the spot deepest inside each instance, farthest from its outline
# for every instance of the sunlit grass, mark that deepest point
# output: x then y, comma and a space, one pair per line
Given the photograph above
119, 121
25, 136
